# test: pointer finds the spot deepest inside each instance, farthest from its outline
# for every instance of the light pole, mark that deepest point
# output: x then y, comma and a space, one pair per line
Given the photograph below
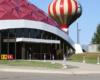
78, 34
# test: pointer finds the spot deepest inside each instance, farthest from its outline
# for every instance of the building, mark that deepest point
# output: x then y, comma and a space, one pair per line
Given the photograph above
26, 31
93, 48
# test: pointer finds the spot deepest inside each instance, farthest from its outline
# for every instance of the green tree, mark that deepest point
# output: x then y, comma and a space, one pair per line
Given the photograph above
96, 37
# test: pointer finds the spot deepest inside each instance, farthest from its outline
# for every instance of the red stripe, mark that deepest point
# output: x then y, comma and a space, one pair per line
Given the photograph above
62, 10
64, 26
54, 9
49, 10
69, 7
76, 5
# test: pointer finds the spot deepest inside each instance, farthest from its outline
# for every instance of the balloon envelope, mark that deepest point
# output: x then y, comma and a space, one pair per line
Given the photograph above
64, 12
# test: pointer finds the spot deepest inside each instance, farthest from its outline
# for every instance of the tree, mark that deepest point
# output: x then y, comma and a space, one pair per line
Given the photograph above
96, 37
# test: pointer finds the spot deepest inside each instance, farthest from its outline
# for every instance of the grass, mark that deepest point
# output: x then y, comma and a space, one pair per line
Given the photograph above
89, 57
36, 64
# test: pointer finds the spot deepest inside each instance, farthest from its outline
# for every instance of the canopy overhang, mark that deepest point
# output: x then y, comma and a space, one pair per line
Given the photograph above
20, 23
33, 40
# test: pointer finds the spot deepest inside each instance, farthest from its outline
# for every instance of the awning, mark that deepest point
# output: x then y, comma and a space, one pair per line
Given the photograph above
33, 40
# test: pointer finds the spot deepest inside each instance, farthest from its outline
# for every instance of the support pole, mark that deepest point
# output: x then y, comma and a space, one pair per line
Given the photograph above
23, 51
98, 60
8, 44
0, 43
15, 49
44, 57
64, 58
67, 47
53, 58
84, 61
30, 56
15, 44
60, 52
78, 34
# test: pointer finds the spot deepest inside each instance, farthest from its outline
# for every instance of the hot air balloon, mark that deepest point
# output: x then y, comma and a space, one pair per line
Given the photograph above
64, 12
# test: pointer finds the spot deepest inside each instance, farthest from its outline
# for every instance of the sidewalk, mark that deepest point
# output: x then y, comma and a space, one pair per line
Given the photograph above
72, 68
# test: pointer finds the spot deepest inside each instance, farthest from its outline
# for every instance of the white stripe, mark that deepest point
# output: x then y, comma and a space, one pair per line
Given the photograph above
73, 7
58, 10
66, 10
79, 9
51, 9
65, 29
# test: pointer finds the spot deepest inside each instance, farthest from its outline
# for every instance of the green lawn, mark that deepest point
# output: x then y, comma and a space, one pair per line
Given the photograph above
36, 64
89, 57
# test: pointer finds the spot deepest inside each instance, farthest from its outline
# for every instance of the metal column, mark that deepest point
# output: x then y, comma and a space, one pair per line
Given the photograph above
23, 50
0, 43
15, 44
8, 44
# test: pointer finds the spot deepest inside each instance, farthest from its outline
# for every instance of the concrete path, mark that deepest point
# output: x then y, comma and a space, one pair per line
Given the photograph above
72, 68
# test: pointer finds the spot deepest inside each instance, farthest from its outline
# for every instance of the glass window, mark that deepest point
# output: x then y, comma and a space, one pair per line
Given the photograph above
25, 33
35, 33
4, 34
19, 32
12, 33
28, 33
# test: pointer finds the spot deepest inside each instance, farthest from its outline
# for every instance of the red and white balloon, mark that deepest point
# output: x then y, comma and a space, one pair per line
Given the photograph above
64, 12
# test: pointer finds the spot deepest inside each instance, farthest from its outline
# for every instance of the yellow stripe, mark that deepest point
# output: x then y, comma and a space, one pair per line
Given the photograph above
51, 9
73, 7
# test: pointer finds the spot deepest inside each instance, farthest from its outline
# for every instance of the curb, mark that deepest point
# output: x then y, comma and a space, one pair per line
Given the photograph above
49, 71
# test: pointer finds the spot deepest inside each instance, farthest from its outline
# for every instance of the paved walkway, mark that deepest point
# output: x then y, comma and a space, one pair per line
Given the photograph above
72, 68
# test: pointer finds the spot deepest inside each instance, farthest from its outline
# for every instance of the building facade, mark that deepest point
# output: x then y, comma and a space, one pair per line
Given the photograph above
36, 40
27, 32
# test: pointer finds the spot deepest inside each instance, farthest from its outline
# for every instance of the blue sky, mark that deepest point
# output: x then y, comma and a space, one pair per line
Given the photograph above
87, 22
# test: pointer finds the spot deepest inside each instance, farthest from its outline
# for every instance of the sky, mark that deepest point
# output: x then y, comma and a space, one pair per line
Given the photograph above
88, 21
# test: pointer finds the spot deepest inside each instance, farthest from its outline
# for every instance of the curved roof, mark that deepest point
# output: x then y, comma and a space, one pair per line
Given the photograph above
22, 9
11, 24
